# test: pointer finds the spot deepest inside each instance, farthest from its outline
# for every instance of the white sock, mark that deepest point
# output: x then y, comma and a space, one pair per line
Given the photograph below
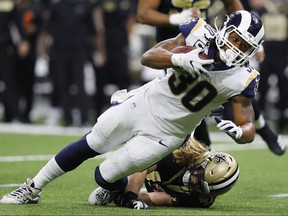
47, 174
260, 122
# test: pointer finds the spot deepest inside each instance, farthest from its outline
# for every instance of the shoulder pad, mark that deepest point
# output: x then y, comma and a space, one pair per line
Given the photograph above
197, 32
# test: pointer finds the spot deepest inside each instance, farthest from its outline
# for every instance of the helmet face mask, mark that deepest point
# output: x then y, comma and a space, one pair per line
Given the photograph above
215, 175
247, 26
195, 180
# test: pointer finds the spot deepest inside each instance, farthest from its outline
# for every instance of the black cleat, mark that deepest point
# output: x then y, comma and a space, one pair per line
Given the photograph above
275, 143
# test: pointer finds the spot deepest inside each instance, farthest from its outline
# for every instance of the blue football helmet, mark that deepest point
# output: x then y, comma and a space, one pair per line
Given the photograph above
246, 25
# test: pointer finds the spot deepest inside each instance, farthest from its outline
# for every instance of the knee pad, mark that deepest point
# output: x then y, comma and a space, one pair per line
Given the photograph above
115, 186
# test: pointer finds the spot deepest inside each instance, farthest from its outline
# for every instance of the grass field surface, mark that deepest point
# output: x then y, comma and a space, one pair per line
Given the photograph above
261, 189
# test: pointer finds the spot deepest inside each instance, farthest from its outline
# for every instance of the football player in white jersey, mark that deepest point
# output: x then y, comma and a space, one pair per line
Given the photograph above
166, 16
156, 119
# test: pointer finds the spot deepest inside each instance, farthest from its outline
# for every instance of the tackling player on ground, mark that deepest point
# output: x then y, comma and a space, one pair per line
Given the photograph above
191, 176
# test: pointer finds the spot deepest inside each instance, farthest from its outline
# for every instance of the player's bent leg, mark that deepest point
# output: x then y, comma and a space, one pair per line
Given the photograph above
74, 154
66, 160
111, 130
25, 194
102, 196
111, 186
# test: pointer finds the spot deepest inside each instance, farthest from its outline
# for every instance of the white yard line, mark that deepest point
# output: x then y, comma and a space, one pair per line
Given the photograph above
10, 185
16, 128
19, 158
282, 195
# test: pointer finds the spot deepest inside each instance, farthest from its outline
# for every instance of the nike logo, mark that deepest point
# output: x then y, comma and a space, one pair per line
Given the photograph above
161, 143
191, 63
257, 79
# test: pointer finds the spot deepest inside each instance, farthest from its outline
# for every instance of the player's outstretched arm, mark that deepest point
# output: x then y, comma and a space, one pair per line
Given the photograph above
242, 130
156, 198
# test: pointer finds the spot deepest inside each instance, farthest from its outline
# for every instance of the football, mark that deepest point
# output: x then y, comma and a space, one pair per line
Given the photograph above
186, 49
182, 49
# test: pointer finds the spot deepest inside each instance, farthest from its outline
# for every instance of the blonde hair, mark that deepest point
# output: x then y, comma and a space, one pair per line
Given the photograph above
190, 152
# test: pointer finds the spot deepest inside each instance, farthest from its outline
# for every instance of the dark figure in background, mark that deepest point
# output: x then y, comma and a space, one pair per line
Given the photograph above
274, 18
70, 24
272, 59
117, 17
29, 13
9, 46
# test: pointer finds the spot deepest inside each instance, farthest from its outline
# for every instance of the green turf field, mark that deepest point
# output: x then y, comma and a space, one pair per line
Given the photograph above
261, 189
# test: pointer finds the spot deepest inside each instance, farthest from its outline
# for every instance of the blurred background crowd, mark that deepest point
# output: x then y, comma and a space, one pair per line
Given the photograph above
61, 60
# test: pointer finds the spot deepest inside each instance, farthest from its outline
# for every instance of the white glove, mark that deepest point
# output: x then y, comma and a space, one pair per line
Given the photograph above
179, 18
191, 62
229, 128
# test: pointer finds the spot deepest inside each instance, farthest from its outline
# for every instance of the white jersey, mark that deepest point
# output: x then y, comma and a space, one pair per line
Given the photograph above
178, 102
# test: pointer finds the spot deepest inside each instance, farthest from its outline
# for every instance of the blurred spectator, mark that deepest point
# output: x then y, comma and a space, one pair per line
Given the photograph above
29, 13
274, 18
68, 28
111, 61
12, 39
